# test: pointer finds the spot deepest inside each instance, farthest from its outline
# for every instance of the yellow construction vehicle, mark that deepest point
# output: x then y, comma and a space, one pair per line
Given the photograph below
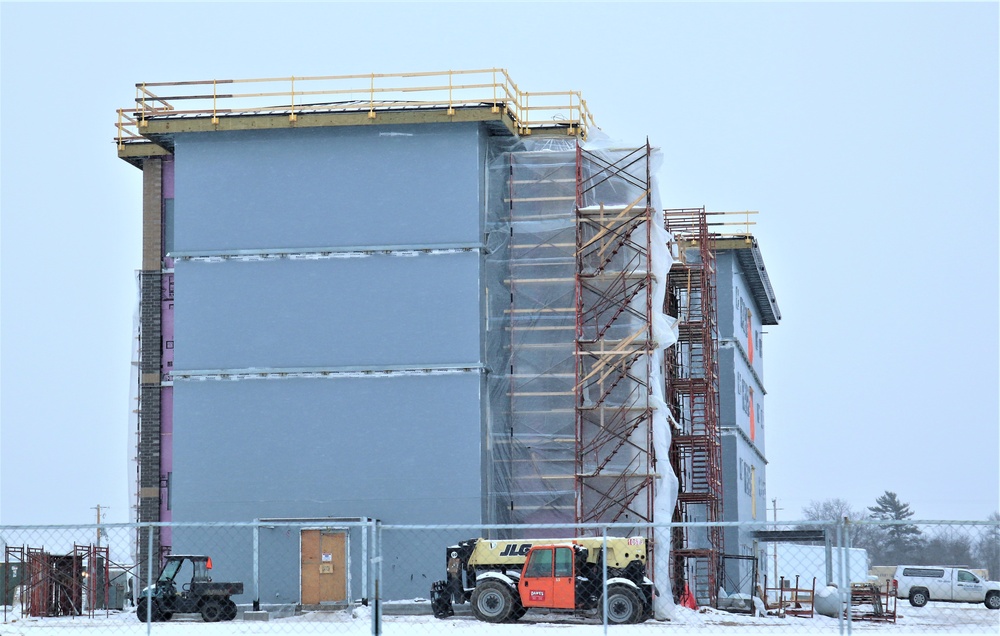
504, 578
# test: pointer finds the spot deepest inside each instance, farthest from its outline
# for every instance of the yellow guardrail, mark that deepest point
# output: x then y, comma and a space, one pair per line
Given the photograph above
685, 223
371, 92
731, 223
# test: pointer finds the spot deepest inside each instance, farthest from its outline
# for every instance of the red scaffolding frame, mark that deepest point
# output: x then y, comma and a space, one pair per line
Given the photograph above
614, 339
693, 396
62, 585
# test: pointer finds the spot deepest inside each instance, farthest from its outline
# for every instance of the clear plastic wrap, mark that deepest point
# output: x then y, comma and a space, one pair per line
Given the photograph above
539, 189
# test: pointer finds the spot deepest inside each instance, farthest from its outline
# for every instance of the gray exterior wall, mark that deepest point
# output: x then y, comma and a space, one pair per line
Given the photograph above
327, 447
328, 187
735, 402
740, 391
404, 448
744, 495
735, 299
376, 311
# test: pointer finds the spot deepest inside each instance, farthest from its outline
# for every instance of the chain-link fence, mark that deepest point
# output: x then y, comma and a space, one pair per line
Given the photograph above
358, 576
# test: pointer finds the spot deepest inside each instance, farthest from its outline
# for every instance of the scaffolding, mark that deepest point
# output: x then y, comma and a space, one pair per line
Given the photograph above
74, 584
571, 340
693, 396
614, 339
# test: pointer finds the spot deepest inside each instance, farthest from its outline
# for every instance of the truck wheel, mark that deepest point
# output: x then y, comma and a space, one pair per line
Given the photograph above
918, 598
492, 602
140, 611
624, 606
229, 611
212, 611
993, 600
519, 611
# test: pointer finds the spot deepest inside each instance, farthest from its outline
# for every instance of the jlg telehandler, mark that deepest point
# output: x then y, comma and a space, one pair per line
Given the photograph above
504, 579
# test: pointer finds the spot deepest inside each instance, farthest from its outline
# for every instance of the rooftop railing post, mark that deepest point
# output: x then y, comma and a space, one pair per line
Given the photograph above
496, 107
215, 114
451, 105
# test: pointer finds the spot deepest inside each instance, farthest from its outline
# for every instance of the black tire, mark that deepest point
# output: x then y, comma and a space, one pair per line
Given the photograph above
647, 612
624, 606
519, 611
993, 600
212, 611
918, 598
493, 602
229, 610
155, 614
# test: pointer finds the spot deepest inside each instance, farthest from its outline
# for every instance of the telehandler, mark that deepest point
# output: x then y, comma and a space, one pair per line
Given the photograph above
504, 579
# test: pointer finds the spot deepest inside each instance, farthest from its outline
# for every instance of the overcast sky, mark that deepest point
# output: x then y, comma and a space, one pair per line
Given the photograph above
865, 134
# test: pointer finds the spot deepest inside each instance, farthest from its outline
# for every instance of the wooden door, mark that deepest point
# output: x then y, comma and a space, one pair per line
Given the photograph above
324, 567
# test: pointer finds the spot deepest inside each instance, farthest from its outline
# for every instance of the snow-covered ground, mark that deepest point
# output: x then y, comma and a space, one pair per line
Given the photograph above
935, 618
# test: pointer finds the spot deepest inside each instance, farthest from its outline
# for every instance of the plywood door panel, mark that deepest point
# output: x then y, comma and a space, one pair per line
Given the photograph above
324, 567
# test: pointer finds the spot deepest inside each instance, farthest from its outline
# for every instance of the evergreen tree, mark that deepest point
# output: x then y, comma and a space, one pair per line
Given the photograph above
903, 540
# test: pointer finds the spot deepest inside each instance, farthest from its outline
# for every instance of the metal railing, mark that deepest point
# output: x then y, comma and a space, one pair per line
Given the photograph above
368, 93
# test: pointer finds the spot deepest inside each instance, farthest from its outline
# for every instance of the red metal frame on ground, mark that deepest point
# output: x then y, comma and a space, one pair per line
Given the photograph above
56, 585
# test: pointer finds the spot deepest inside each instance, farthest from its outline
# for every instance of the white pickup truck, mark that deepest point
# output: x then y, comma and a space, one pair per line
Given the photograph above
922, 583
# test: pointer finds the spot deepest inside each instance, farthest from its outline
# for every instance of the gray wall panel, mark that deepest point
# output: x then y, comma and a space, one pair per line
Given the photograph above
390, 448
377, 310
319, 187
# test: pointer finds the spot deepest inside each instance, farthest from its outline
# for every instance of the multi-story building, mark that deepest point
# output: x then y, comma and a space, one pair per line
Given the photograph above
747, 304
423, 305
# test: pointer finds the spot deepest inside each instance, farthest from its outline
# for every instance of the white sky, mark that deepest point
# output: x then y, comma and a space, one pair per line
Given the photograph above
866, 135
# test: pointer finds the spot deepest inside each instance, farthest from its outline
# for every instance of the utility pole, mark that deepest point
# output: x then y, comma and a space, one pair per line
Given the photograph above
98, 508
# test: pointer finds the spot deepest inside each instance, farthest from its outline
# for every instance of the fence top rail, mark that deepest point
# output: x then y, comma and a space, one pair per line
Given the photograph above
802, 523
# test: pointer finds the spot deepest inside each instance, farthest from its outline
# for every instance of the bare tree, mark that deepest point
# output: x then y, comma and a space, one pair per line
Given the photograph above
836, 510
831, 510
988, 547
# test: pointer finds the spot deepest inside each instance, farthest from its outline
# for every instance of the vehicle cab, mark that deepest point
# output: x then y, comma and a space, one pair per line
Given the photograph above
549, 577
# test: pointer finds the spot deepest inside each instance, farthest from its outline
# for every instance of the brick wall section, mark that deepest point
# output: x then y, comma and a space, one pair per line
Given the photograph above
152, 214
149, 361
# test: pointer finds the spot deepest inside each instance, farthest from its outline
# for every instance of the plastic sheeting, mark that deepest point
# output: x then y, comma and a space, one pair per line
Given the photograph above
532, 351
531, 271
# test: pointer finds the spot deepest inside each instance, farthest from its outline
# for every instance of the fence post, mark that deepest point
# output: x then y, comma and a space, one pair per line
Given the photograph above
256, 565
376, 578
149, 582
840, 580
847, 569
604, 579
828, 553
365, 559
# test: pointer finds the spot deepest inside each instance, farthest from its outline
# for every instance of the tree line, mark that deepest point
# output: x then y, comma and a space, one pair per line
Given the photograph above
906, 543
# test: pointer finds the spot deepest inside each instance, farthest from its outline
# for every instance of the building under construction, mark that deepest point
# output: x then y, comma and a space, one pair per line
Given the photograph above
429, 298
